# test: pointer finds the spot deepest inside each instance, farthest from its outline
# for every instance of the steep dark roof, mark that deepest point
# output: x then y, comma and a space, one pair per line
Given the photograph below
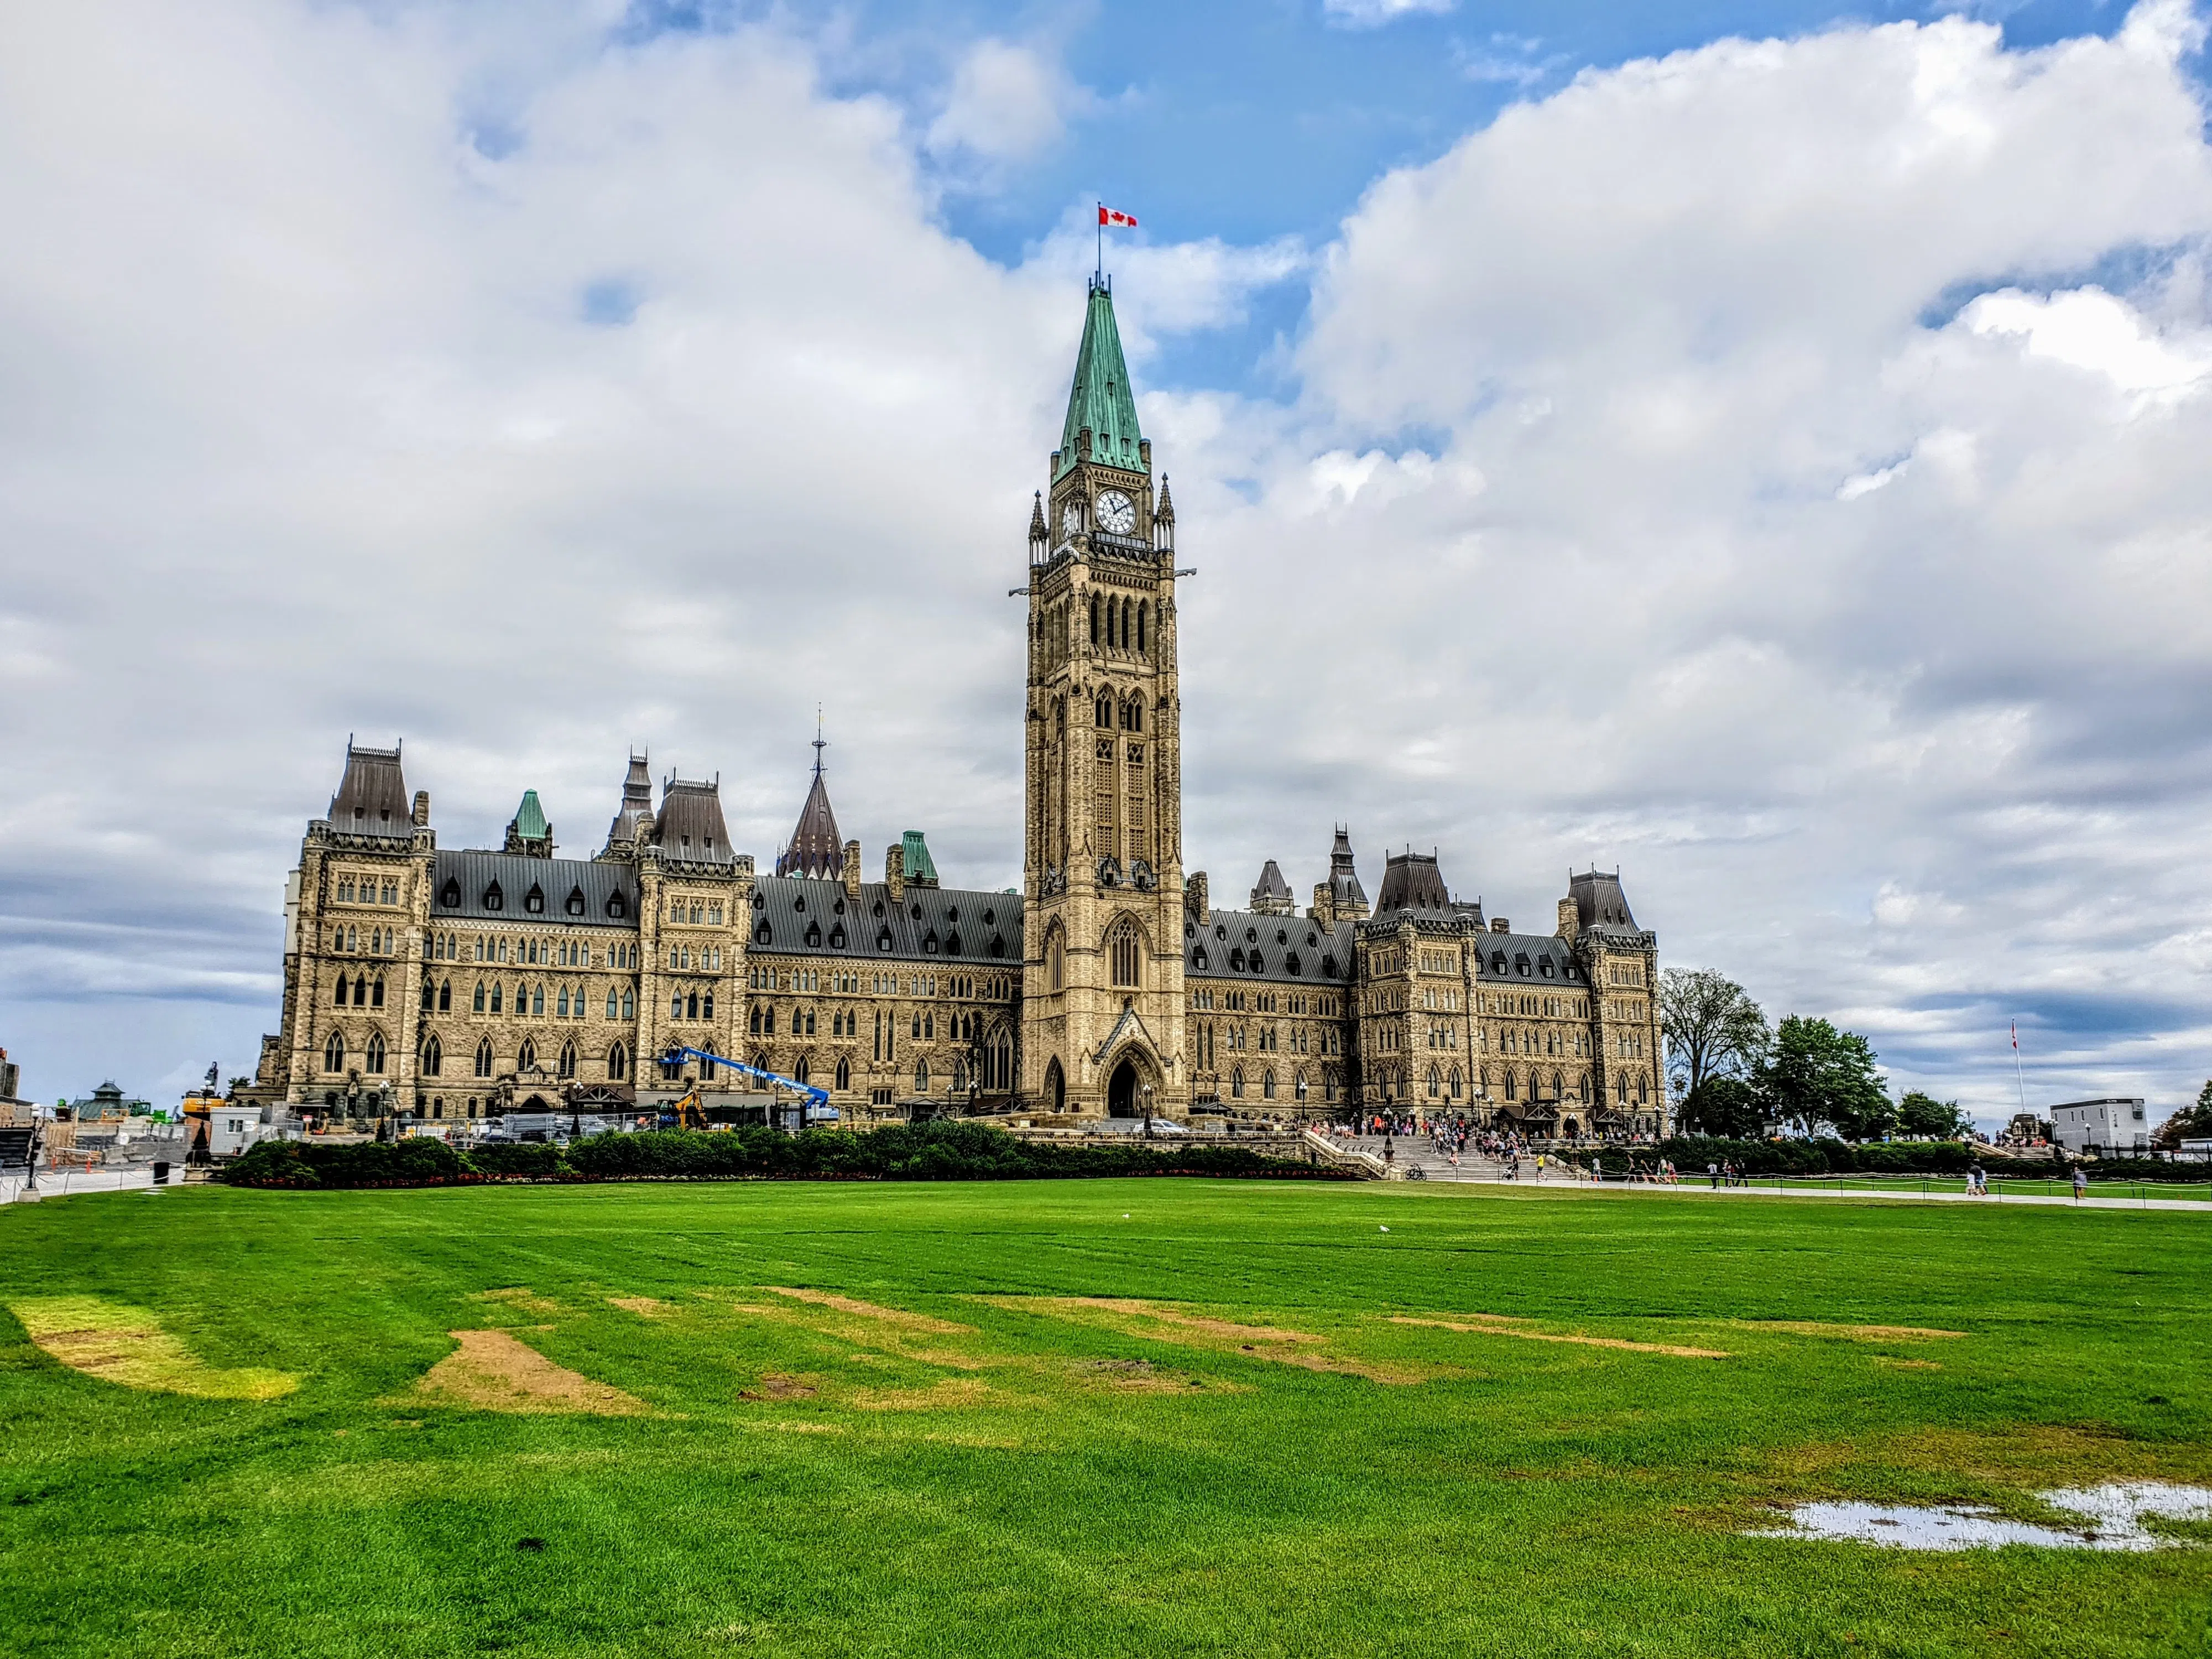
1527, 959
690, 823
816, 849
372, 796
462, 884
1599, 901
806, 917
1271, 885
1288, 949
636, 807
1344, 880
1410, 881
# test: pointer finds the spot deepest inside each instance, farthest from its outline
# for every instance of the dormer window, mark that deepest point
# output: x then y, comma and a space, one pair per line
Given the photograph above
575, 906
494, 899
449, 895
616, 909
534, 900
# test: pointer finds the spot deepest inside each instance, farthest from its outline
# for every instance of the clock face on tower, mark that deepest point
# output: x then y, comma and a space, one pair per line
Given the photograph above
1117, 514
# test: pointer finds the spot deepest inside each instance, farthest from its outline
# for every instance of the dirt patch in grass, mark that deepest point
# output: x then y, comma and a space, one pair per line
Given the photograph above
1894, 1363
1499, 1325
904, 1320
1141, 1319
127, 1345
1142, 1376
495, 1371
776, 1386
1849, 1333
520, 1298
645, 1307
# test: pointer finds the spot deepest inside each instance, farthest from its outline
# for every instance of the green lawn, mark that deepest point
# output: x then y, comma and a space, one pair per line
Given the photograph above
1040, 1425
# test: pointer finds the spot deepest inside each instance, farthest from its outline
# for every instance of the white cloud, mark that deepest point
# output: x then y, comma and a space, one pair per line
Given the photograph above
2089, 329
1008, 102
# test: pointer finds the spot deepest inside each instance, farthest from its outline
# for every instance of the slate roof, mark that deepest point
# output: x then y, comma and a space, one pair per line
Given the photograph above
1523, 959
690, 823
1343, 880
961, 929
1410, 881
1599, 901
816, 849
1272, 884
1290, 950
371, 797
461, 883
1100, 398
636, 802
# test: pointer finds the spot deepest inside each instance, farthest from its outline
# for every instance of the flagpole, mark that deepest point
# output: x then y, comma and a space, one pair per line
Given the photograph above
2020, 1076
1099, 274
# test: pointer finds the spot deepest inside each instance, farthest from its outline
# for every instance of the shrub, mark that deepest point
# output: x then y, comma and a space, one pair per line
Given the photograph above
300, 1163
539, 1159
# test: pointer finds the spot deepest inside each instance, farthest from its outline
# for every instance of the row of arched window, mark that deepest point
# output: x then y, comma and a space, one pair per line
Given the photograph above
1300, 1089
360, 991
1130, 713
1120, 624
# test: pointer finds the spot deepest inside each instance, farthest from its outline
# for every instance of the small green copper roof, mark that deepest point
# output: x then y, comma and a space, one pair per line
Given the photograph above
1100, 398
529, 818
919, 865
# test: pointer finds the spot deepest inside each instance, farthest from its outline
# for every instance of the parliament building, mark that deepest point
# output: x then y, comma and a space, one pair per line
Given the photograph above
462, 984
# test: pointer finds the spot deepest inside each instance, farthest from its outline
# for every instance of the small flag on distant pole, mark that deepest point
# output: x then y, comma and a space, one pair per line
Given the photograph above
1115, 217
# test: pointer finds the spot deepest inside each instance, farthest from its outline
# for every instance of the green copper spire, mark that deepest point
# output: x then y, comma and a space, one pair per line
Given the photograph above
529, 818
1100, 398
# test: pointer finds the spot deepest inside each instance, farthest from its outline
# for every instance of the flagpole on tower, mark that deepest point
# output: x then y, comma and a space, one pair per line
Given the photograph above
1099, 274
2018, 1076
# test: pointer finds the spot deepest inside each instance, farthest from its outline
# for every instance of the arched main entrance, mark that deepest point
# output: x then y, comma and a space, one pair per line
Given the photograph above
1122, 1091
1055, 1087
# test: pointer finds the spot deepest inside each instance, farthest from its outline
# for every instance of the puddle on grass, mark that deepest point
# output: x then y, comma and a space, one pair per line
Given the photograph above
2111, 1519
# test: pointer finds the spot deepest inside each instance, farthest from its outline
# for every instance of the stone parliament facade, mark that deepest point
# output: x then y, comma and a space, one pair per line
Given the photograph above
456, 985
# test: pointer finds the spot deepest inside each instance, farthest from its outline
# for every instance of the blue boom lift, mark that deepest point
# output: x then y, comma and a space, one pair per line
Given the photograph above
816, 1099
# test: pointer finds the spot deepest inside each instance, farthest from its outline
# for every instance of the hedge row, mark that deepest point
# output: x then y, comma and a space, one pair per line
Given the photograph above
929, 1152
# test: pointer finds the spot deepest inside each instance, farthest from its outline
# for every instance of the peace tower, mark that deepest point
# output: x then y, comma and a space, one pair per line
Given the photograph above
1102, 990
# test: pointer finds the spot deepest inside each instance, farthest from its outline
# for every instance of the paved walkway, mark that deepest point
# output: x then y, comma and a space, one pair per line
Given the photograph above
68, 1183
1409, 1153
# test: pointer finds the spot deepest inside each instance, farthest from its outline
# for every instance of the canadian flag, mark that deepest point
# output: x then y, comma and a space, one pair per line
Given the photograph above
1114, 216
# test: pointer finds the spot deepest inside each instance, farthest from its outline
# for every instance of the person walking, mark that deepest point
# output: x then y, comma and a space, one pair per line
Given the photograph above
2081, 1182
1713, 1175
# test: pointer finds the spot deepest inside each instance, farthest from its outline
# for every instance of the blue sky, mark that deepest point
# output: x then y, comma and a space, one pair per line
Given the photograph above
1753, 470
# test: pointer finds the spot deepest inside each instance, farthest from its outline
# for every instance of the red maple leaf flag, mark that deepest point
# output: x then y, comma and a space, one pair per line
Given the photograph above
1114, 216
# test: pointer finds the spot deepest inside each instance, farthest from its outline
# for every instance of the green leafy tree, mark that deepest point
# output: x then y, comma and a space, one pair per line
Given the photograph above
1819, 1077
2189, 1123
1918, 1114
1713, 1028
1728, 1107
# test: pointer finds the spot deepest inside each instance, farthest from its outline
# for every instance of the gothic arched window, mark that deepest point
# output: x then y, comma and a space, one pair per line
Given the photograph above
844, 1072
1236, 1083
374, 1060
618, 1063
334, 1053
1055, 960
921, 1077
434, 1056
527, 1060
483, 1058
1124, 948
568, 1060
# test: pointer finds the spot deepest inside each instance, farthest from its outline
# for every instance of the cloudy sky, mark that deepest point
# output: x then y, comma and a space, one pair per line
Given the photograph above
1760, 449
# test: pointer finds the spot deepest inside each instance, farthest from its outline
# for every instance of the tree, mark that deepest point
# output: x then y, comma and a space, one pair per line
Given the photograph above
1713, 1029
2189, 1123
1923, 1115
1728, 1107
1819, 1077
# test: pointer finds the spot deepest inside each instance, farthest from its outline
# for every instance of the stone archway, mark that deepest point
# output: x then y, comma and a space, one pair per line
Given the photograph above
1121, 1098
1055, 1086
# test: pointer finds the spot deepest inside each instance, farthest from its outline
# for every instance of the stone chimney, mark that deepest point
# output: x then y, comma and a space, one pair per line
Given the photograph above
1499, 925
421, 809
1194, 897
852, 870
1571, 919
1323, 911
895, 871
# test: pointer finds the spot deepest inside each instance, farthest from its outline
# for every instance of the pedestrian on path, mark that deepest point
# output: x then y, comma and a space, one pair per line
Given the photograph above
2081, 1182
1713, 1175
